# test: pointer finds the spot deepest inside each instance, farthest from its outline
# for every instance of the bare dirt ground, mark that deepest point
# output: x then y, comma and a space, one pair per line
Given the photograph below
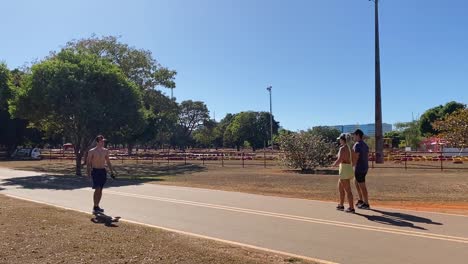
36, 233
416, 189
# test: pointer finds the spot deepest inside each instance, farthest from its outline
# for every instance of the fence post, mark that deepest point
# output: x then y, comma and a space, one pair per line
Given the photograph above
243, 166
203, 158
185, 157
441, 157
406, 159
222, 159
152, 159
264, 158
168, 154
373, 158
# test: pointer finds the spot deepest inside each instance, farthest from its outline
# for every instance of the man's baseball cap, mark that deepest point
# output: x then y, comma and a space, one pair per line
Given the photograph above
358, 132
100, 138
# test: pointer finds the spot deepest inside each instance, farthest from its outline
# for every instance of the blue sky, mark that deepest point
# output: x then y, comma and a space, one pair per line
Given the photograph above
317, 54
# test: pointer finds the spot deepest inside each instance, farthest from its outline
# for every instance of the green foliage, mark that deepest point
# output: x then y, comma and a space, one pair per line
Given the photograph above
137, 64
330, 134
454, 128
253, 127
162, 116
13, 131
306, 151
396, 136
5, 86
206, 136
193, 114
437, 113
79, 96
411, 133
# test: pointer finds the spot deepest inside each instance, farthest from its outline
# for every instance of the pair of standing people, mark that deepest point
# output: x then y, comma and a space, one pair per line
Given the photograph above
348, 158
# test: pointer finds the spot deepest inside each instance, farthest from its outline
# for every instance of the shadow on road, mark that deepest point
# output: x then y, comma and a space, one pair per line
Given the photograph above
398, 219
106, 220
407, 217
124, 178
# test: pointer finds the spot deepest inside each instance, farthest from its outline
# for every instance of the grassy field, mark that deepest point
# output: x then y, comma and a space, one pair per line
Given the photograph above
427, 189
35, 233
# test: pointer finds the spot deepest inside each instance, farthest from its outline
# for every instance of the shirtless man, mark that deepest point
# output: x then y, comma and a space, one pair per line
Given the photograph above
96, 161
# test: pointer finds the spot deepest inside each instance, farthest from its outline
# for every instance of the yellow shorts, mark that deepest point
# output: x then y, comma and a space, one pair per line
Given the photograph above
346, 171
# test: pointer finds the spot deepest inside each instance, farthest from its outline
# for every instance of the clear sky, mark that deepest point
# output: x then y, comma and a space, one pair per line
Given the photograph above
317, 54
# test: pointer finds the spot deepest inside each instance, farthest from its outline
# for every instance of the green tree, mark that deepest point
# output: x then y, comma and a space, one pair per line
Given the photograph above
411, 133
13, 131
192, 115
396, 136
206, 135
162, 115
7, 125
78, 95
330, 134
253, 127
437, 113
454, 128
139, 66
306, 151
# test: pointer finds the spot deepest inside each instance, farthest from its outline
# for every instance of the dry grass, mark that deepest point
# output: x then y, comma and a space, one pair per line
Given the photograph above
35, 233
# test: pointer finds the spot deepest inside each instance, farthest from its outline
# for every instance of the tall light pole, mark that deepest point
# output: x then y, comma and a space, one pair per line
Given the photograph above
379, 144
271, 118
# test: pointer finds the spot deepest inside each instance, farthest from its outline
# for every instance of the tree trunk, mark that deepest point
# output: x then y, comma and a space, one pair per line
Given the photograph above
130, 148
78, 156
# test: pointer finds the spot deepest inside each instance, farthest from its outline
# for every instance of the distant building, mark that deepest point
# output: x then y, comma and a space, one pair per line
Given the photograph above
368, 129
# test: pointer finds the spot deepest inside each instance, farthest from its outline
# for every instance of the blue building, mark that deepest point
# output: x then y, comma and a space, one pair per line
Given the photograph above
368, 129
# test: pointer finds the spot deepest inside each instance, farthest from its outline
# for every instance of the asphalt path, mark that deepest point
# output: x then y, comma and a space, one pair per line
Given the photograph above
296, 227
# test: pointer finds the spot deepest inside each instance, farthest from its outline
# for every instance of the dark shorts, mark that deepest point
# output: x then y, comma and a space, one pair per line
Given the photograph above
360, 176
99, 178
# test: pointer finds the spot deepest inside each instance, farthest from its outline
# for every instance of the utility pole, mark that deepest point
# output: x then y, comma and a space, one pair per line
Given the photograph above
379, 144
271, 118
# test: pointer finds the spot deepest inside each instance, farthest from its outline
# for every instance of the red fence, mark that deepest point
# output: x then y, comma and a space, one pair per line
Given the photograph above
268, 158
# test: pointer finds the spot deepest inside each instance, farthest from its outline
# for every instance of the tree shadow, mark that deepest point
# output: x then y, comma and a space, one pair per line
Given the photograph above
398, 219
68, 182
130, 171
146, 171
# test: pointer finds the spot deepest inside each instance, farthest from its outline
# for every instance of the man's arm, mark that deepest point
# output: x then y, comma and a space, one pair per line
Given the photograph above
89, 164
109, 162
355, 153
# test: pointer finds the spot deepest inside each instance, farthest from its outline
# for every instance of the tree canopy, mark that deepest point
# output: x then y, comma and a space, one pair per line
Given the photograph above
79, 96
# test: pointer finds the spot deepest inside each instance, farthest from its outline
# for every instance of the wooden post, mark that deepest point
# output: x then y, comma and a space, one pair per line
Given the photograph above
406, 159
243, 166
441, 157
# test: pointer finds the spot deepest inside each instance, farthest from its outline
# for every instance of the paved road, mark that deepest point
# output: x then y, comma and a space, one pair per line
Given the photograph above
301, 227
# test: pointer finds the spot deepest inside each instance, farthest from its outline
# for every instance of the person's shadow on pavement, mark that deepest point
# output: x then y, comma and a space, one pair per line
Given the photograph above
398, 219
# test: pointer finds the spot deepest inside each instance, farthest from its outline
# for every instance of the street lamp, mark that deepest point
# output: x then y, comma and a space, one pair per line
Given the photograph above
379, 144
271, 118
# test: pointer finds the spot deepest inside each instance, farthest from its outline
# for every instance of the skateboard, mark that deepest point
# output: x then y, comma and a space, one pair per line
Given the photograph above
105, 219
